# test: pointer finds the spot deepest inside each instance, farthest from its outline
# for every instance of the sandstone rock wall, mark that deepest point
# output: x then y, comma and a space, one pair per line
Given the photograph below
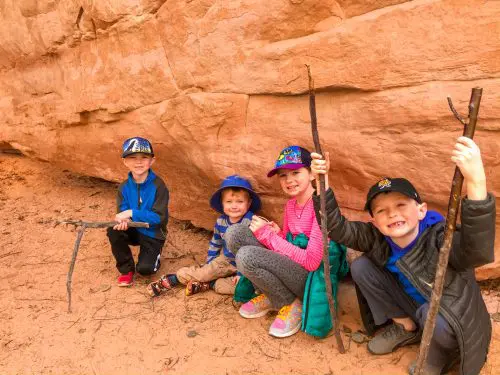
220, 87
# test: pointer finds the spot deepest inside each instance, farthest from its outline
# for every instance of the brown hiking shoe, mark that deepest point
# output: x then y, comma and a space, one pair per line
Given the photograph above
427, 370
392, 337
194, 287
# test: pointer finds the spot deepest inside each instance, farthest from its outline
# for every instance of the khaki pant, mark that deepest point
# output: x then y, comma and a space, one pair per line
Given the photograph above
220, 269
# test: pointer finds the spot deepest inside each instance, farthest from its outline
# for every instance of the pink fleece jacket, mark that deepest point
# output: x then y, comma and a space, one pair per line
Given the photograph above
309, 258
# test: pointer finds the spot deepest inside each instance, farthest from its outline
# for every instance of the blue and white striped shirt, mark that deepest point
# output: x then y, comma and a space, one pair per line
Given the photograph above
217, 242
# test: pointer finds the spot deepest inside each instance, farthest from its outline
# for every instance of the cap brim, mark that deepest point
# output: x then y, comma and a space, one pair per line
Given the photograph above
124, 155
273, 171
369, 201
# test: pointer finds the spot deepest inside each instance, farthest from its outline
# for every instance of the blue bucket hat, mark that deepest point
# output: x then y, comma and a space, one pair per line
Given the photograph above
234, 181
136, 145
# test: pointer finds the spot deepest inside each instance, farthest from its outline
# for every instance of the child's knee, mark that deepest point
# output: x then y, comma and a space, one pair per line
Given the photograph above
233, 236
145, 269
443, 334
244, 258
112, 234
359, 268
148, 268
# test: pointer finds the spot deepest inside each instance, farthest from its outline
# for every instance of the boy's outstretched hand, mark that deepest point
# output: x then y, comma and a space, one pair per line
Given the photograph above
320, 166
467, 156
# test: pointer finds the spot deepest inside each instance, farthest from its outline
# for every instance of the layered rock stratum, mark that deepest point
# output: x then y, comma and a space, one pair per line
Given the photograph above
220, 87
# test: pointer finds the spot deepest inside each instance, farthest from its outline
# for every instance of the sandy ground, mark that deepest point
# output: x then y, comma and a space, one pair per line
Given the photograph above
122, 331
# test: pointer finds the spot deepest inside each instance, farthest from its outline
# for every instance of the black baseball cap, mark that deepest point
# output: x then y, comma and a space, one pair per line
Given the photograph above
387, 184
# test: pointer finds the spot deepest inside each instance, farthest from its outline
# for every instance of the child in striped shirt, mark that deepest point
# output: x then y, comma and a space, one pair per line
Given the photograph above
278, 261
236, 202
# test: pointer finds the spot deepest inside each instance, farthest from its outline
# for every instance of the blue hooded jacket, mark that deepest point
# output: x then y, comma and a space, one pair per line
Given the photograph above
148, 202
431, 218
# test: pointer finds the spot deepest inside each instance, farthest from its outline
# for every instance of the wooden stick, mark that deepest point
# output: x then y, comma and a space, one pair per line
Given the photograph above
103, 224
451, 221
324, 226
84, 225
72, 264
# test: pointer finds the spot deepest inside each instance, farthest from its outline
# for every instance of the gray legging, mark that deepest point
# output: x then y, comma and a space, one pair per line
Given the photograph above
275, 275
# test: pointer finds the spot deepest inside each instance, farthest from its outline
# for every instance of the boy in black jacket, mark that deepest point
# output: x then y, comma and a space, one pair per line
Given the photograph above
402, 245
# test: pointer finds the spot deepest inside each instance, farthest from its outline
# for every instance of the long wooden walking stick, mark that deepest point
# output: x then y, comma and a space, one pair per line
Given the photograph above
82, 226
324, 227
451, 221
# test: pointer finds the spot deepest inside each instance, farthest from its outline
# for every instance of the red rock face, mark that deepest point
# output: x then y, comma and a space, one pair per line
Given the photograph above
220, 88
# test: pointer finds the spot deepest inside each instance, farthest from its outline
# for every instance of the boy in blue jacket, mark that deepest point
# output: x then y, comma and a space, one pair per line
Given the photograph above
142, 197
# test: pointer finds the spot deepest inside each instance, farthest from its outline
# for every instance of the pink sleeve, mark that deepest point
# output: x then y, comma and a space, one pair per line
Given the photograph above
285, 228
309, 258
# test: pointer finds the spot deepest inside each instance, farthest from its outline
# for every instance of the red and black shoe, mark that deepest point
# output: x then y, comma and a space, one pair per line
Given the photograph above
126, 280
159, 287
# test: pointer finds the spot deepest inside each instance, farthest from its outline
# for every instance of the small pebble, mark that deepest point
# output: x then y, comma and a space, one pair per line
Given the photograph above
192, 333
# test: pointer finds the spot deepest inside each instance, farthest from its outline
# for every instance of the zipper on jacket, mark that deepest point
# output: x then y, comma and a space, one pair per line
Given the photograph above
416, 283
306, 303
138, 195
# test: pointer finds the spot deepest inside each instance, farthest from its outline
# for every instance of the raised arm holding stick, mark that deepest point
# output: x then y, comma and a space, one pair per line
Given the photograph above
451, 221
405, 249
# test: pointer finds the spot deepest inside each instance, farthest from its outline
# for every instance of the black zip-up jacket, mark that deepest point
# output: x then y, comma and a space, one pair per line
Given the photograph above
473, 245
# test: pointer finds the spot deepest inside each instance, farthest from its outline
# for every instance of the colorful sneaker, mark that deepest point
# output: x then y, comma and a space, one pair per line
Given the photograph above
159, 287
256, 307
126, 280
194, 287
288, 321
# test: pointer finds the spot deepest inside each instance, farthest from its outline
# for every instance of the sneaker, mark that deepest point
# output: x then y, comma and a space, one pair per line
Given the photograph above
392, 337
288, 321
126, 280
159, 287
256, 307
194, 287
427, 370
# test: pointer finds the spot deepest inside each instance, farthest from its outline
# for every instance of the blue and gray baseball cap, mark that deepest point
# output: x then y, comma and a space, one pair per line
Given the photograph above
137, 145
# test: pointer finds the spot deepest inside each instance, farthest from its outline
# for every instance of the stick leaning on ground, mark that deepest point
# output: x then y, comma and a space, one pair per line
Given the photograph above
451, 221
84, 225
324, 226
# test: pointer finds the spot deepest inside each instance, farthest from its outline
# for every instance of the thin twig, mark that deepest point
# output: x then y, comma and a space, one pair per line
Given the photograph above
8, 254
457, 115
263, 352
72, 264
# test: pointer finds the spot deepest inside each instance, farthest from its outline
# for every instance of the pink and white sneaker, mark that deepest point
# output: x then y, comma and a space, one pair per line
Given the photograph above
288, 321
256, 307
